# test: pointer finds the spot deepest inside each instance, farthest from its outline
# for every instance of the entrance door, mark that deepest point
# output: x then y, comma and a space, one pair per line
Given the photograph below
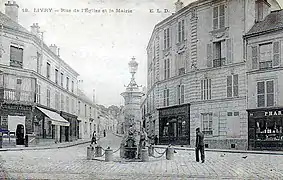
53, 131
66, 134
20, 134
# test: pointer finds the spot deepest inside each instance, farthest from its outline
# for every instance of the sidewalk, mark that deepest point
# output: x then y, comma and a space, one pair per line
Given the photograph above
49, 146
223, 150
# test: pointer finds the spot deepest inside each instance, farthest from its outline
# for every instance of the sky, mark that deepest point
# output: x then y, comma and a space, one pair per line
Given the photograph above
99, 45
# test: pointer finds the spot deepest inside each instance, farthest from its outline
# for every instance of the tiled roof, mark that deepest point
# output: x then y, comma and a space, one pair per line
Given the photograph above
273, 21
7, 22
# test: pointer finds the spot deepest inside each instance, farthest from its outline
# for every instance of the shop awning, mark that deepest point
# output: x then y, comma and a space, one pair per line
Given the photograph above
55, 117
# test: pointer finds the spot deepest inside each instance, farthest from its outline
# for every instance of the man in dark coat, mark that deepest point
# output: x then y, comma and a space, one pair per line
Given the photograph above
199, 145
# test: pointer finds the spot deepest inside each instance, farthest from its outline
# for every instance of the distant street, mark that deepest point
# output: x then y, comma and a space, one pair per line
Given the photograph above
71, 163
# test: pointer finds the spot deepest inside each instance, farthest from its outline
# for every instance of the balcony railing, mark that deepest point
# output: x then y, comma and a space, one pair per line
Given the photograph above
219, 62
12, 95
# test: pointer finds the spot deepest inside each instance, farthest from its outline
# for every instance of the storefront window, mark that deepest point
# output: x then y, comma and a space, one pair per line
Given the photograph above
269, 129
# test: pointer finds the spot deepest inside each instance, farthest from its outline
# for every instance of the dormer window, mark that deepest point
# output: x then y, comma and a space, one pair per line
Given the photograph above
262, 9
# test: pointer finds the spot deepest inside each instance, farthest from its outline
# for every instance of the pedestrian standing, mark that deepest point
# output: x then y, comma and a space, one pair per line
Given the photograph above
93, 139
199, 145
104, 133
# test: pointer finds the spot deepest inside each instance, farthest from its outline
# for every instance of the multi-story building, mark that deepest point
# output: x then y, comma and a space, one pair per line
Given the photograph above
264, 54
87, 116
197, 72
38, 90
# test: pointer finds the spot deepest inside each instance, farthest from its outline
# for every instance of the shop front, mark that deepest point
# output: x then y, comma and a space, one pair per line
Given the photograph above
72, 130
265, 129
174, 125
16, 122
51, 125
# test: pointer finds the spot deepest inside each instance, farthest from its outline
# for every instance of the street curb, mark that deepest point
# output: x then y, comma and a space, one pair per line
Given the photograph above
43, 147
225, 150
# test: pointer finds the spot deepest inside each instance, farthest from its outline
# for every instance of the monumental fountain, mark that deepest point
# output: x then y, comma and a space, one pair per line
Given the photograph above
130, 145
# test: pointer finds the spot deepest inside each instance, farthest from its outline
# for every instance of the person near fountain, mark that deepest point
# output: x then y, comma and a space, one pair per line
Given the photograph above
93, 139
143, 141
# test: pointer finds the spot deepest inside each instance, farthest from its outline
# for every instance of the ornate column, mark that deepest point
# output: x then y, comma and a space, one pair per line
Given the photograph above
132, 115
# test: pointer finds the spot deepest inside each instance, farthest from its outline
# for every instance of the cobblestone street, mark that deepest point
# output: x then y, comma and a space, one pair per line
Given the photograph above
71, 163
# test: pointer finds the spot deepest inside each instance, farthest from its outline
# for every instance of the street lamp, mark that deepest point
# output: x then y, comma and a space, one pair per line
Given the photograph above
133, 67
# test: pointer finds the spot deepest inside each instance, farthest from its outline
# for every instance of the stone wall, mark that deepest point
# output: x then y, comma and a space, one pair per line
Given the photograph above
240, 144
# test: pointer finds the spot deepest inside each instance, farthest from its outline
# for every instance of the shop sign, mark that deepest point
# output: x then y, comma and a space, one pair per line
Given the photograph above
16, 107
177, 111
273, 113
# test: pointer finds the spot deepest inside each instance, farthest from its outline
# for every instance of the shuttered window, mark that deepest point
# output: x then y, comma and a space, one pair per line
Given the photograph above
16, 57
181, 31
209, 55
205, 89
265, 93
254, 57
48, 98
180, 94
218, 17
276, 53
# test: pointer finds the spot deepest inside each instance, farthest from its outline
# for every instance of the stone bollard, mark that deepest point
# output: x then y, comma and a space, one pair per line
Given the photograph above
169, 153
98, 151
144, 155
151, 150
108, 155
90, 153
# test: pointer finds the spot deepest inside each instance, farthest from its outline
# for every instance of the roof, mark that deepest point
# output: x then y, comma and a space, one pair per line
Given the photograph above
84, 97
272, 22
7, 22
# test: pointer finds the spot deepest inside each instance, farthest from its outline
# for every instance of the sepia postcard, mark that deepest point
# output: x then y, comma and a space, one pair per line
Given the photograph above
149, 89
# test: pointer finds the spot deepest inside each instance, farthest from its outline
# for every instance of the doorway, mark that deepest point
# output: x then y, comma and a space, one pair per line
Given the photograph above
66, 134
20, 132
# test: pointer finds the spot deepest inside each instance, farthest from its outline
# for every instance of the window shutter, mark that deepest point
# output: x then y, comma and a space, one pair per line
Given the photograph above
254, 57
229, 57
177, 32
215, 123
164, 39
185, 29
215, 18
182, 93
178, 94
276, 54
221, 16
201, 89
209, 55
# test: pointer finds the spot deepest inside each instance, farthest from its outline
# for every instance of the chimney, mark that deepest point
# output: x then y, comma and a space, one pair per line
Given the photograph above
179, 5
53, 48
12, 10
35, 29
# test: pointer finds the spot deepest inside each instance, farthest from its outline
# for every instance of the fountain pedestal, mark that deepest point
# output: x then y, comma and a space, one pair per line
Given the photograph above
132, 115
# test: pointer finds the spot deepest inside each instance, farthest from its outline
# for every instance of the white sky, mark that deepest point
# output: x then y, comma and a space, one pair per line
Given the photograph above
99, 46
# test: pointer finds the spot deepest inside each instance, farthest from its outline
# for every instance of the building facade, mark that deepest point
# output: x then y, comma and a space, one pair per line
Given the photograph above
87, 116
264, 74
39, 94
196, 59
